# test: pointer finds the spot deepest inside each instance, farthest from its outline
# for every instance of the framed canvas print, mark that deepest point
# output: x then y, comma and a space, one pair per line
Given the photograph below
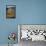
29, 33
33, 32
10, 11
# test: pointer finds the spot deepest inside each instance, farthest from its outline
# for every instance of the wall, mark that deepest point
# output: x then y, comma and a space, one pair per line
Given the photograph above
31, 11
6, 25
27, 12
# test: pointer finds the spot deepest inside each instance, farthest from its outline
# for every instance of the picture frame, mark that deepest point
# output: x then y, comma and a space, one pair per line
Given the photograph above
37, 29
10, 11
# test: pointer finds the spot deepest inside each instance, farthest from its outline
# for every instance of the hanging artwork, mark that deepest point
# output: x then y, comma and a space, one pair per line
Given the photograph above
11, 11
32, 32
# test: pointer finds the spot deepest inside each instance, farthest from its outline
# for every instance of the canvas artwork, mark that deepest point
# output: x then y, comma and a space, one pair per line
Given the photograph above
11, 11
33, 32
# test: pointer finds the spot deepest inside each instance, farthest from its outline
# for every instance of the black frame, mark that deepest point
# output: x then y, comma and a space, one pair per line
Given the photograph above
13, 7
